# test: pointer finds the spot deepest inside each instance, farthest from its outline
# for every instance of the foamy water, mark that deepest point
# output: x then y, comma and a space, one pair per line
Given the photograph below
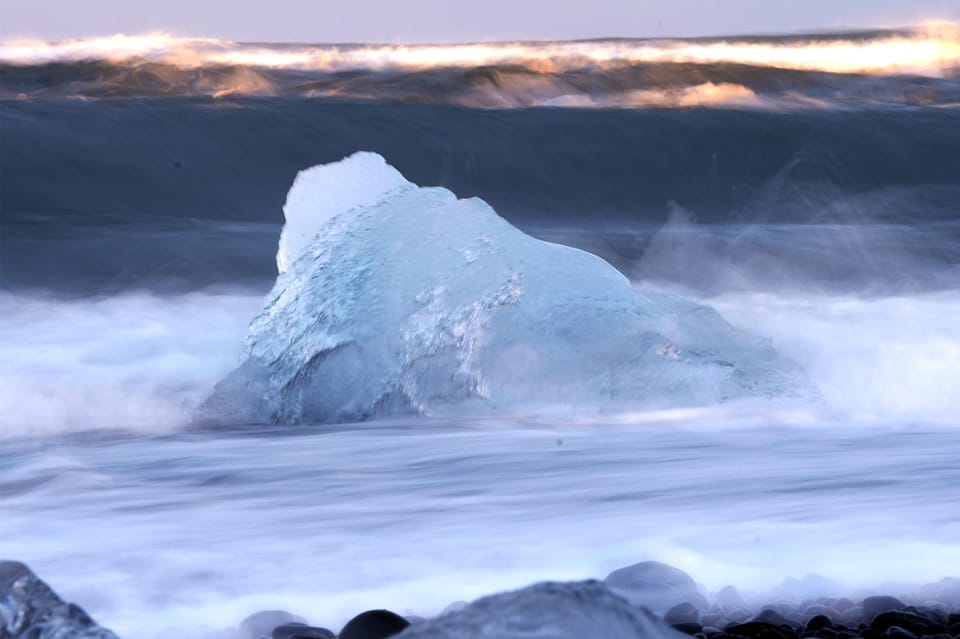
185, 534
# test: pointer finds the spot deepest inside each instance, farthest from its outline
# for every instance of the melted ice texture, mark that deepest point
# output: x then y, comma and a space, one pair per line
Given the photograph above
397, 298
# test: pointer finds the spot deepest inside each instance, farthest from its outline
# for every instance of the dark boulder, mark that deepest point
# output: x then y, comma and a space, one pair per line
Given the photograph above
753, 629
817, 622
301, 631
551, 610
873, 606
898, 618
260, 625
656, 585
682, 613
374, 624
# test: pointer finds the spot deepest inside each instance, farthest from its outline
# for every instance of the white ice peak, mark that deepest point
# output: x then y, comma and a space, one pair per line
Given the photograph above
326, 190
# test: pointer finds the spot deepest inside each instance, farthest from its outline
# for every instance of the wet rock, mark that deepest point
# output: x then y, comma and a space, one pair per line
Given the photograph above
813, 610
575, 610
935, 610
300, 631
871, 633
753, 629
773, 617
898, 618
817, 622
690, 628
842, 604
682, 613
655, 585
896, 632
740, 615
29, 609
374, 624
714, 619
873, 606
853, 615
260, 625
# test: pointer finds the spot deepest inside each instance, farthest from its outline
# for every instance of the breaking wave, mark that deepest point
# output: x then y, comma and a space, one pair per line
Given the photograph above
915, 67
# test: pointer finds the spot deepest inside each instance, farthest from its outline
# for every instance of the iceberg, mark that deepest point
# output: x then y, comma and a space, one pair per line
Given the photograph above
394, 298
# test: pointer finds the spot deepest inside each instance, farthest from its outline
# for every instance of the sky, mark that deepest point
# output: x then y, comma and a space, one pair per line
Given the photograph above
453, 20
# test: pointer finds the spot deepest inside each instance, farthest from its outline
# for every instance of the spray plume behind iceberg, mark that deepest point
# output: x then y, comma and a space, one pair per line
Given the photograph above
395, 298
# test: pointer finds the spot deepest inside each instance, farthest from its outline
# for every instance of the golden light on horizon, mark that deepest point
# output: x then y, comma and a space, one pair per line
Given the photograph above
930, 50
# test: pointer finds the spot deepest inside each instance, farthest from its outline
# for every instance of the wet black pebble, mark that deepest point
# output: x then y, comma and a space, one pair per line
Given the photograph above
873, 606
374, 624
300, 631
688, 628
772, 617
871, 633
682, 613
899, 618
818, 622
753, 629
896, 632
260, 624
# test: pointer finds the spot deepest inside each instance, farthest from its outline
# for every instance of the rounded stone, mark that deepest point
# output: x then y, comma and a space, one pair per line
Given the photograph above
772, 617
261, 624
753, 629
713, 619
902, 619
896, 632
817, 622
873, 606
682, 613
300, 631
852, 615
688, 628
374, 624
842, 604
655, 585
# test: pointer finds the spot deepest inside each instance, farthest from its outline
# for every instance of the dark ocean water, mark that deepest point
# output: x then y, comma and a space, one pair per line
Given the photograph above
807, 187
181, 193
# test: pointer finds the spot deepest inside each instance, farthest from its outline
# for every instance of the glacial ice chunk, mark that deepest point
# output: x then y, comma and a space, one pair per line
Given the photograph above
397, 298
327, 190
29, 608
